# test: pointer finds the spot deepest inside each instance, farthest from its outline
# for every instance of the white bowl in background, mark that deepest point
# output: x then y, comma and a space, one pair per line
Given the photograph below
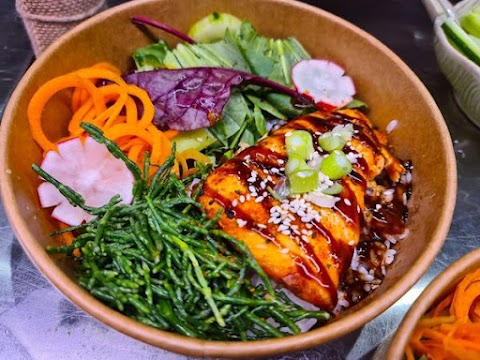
462, 73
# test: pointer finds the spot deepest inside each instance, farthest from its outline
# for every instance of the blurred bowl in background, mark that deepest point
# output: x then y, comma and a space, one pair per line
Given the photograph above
462, 73
442, 285
390, 88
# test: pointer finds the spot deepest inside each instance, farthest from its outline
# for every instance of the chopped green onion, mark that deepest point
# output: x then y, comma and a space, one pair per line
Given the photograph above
336, 165
274, 194
299, 142
333, 190
330, 141
294, 163
345, 131
303, 181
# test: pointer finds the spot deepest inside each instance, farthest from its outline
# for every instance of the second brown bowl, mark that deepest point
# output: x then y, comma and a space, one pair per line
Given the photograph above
390, 88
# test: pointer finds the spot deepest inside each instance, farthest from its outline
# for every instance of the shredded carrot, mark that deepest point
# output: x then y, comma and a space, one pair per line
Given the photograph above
67, 236
452, 329
44, 93
124, 113
171, 133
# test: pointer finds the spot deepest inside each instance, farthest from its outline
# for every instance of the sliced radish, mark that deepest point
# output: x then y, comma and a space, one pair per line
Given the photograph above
89, 169
324, 82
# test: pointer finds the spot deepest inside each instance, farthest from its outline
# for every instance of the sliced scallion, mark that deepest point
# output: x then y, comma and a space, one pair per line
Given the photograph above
345, 131
303, 181
335, 189
294, 163
329, 141
336, 165
299, 142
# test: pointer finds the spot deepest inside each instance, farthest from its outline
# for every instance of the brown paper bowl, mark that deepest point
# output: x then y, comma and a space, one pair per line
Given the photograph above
441, 286
389, 87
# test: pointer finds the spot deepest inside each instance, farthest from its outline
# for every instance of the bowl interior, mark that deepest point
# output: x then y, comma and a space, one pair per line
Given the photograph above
390, 88
442, 285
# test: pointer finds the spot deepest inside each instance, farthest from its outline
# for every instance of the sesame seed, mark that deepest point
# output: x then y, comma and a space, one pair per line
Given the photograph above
285, 251
305, 238
241, 222
269, 178
251, 188
286, 232
248, 197
262, 226
281, 161
234, 202
347, 202
282, 227
242, 199
259, 199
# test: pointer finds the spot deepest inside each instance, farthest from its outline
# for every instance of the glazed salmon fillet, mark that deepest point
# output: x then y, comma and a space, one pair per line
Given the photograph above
299, 243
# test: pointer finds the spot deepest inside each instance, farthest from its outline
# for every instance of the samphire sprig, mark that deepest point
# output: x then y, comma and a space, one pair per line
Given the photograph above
161, 261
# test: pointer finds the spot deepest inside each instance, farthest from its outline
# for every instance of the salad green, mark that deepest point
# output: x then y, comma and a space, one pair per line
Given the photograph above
245, 116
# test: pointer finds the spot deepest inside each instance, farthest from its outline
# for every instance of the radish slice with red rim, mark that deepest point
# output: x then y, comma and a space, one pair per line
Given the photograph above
89, 169
324, 82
